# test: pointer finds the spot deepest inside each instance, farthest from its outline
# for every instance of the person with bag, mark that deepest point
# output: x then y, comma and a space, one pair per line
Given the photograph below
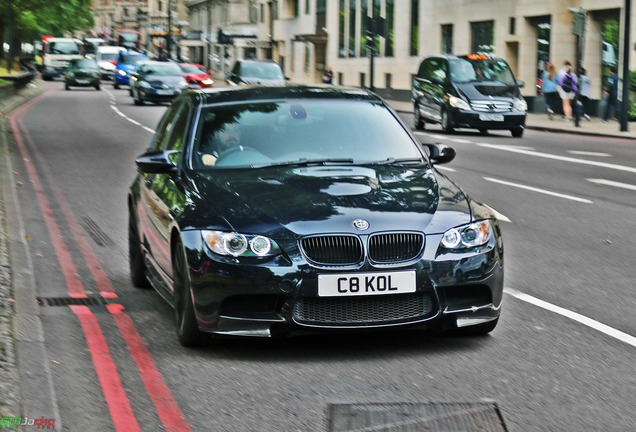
612, 95
549, 83
585, 92
569, 88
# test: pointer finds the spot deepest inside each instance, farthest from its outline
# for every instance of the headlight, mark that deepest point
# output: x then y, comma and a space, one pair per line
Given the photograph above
183, 85
70, 74
145, 85
467, 236
458, 103
207, 82
236, 244
521, 105
121, 72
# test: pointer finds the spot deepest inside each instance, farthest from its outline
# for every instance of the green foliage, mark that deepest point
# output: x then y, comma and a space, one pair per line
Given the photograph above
632, 80
631, 112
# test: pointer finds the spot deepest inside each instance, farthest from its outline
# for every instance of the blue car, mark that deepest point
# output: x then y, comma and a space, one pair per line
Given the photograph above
126, 63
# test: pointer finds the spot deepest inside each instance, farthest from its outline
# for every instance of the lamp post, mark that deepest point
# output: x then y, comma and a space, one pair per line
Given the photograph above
169, 32
626, 77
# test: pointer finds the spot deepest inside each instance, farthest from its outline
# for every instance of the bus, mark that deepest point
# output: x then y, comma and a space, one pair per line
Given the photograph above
57, 53
128, 39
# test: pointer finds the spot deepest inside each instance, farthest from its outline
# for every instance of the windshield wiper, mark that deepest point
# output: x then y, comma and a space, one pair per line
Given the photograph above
391, 160
307, 162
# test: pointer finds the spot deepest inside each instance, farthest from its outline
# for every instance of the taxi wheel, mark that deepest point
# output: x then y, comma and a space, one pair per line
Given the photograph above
446, 126
188, 331
419, 121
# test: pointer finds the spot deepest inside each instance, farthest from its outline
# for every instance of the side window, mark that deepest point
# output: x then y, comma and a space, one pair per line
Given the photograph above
438, 69
166, 124
178, 134
421, 73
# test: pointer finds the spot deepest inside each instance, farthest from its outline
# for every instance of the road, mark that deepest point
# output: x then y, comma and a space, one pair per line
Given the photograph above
561, 359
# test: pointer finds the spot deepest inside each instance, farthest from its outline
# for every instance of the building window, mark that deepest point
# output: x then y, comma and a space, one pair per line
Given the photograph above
262, 12
415, 26
388, 45
253, 12
483, 36
352, 28
364, 26
341, 30
160, 6
447, 39
321, 6
512, 26
307, 6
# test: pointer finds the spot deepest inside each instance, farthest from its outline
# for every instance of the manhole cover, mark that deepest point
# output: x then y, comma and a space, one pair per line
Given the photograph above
416, 417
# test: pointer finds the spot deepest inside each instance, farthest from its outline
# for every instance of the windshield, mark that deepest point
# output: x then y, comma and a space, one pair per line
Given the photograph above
262, 70
300, 132
166, 69
192, 69
84, 64
463, 71
107, 56
132, 58
63, 48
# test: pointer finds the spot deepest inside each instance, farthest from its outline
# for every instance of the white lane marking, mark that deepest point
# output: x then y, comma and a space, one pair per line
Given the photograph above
561, 158
135, 122
506, 146
613, 183
438, 136
603, 328
461, 141
543, 191
588, 153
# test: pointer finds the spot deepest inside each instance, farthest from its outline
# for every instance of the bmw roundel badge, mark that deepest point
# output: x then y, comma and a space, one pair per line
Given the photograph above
361, 224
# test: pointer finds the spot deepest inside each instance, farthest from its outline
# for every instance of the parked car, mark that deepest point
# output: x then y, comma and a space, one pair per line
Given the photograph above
106, 57
82, 73
269, 210
126, 63
196, 75
472, 91
250, 72
156, 81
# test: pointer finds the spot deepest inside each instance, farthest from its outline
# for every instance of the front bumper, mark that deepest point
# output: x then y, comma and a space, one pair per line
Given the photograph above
279, 296
479, 120
154, 96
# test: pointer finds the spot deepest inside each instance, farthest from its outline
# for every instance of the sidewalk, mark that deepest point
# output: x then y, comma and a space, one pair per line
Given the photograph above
543, 123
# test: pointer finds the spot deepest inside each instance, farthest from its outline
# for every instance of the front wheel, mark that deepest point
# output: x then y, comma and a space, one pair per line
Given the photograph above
115, 85
188, 331
419, 121
517, 132
446, 126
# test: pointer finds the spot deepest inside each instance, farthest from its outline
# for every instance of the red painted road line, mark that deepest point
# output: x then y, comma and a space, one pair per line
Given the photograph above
167, 409
120, 410
170, 414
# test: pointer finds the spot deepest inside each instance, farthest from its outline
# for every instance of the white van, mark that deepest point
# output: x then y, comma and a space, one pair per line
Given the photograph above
106, 57
57, 53
609, 54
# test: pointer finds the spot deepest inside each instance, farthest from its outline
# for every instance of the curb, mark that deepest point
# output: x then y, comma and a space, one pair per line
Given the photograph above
26, 387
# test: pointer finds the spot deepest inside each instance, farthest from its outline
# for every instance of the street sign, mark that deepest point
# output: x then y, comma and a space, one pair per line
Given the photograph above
578, 23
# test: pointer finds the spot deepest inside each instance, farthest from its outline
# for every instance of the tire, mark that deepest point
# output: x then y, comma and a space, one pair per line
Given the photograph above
67, 87
188, 331
418, 121
483, 131
446, 126
139, 100
98, 87
517, 132
115, 84
476, 330
135, 255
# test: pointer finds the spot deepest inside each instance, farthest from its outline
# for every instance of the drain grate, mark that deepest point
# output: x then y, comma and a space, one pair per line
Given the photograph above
412, 417
68, 301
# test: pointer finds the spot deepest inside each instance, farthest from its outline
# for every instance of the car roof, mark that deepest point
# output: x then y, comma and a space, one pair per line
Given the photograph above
273, 92
477, 56
256, 61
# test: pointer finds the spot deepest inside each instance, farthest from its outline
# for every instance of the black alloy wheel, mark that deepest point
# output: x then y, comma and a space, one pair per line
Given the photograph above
419, 121
188, 331
135, 256
446, 126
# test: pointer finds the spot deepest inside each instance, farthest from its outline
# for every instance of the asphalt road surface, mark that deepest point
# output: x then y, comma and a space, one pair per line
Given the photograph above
561, 359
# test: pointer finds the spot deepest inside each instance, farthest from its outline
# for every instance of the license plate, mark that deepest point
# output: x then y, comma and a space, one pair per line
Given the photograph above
363, 284
491, 117
165, 92
82, 81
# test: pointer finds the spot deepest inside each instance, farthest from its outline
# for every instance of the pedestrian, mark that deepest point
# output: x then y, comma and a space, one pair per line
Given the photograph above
611, 91
549, 82
585, 92
569, 88
327, 77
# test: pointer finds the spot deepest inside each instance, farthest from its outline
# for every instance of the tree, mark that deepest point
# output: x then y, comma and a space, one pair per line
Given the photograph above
35, 18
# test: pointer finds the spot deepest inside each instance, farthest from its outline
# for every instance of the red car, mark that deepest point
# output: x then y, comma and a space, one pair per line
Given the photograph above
196, 75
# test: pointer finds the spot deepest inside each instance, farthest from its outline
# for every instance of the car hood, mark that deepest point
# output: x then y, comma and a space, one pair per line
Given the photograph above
165, 81
486, 90
199, 77
309, 200
106, 65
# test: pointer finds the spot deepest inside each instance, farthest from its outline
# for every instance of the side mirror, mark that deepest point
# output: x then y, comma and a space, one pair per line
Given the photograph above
440, 153
156, 162
520, 83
